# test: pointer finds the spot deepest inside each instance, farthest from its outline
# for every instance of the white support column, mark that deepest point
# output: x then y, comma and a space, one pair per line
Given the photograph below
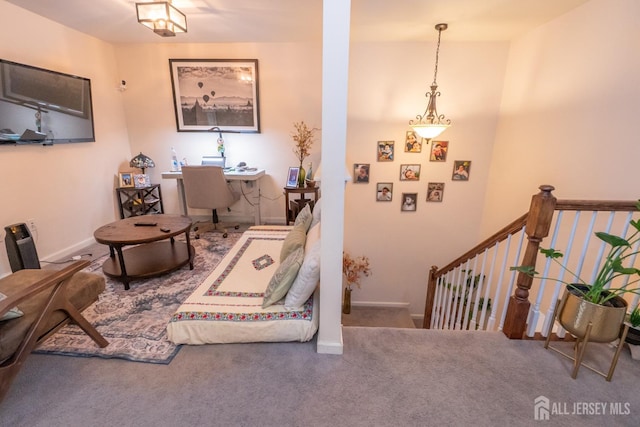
335, 76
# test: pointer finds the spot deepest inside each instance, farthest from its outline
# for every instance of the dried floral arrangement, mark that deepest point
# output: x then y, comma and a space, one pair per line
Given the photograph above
303, 138
352, 268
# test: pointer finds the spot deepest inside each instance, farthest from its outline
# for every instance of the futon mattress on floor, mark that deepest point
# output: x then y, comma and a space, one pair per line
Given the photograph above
227, 307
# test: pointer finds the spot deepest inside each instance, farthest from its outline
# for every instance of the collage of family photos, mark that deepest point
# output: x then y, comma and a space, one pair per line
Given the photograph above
388, 151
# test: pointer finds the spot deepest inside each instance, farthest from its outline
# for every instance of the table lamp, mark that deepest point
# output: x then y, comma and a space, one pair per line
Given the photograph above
142, 162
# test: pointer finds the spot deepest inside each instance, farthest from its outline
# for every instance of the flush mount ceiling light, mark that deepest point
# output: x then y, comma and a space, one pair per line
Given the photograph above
162, 17
432, 124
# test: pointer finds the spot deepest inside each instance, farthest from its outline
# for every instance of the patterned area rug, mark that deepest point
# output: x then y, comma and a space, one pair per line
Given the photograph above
134, 321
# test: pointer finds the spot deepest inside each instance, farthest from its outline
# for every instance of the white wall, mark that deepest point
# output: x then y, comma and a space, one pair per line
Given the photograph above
571, 93
569, 115
289, 91
386, 89
67, 188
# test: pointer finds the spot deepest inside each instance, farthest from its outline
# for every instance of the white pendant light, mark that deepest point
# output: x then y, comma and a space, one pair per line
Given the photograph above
431, 124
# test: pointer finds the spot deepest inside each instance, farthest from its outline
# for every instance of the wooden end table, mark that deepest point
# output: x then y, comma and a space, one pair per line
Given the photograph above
156, 251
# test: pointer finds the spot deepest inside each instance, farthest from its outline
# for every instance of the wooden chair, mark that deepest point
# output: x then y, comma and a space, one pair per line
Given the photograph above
49, 300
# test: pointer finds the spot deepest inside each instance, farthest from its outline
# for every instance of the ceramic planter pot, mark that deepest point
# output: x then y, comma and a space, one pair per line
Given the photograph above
576, 313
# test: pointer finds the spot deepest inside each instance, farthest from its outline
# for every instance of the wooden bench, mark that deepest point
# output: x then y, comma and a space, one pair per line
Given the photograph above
49, 299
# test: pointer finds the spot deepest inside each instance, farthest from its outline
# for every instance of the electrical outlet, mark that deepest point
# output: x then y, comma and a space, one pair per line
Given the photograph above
31, 223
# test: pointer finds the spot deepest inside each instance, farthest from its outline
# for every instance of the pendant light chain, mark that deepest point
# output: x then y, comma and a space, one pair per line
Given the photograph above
435, 73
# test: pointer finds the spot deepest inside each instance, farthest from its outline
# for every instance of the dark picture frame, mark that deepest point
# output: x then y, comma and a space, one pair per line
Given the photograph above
386, 151
439, 151
292, 176
384, 191
410, 172
461, 170
412, 142
409, 202
361, 173
219, 93
435, 191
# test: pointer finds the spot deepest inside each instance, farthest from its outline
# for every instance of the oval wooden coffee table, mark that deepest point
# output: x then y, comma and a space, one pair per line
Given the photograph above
156, 251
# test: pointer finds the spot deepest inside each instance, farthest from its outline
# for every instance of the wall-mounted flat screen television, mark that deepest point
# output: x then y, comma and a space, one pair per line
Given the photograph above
43, 106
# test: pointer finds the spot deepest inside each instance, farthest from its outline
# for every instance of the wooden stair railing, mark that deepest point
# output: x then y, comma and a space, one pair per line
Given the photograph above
537, 223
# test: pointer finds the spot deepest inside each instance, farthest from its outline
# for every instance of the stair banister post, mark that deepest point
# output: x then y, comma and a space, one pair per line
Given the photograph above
537, 228
431, 292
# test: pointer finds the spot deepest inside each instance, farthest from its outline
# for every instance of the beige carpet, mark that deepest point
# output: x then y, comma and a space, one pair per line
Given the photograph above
389, 317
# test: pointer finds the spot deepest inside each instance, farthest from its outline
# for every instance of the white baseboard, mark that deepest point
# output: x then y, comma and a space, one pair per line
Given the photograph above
379, 304
68, 250
324, 347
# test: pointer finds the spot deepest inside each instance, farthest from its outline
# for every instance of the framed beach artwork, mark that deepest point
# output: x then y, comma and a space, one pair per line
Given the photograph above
219, 93
385, 151
409, 172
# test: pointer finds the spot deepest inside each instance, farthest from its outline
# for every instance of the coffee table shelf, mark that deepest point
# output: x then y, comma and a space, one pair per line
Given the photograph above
153, 249
150, 260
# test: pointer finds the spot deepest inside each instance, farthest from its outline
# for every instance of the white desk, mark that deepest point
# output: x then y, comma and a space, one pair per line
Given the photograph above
248, 177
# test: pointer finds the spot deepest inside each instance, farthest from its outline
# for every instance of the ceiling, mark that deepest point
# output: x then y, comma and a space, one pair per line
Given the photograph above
224, 21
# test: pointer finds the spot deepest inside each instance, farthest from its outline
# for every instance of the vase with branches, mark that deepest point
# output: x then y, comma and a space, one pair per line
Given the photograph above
303, 138
353, 269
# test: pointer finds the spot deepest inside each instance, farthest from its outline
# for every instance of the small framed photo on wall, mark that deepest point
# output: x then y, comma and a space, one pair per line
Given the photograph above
461, 170
125, 179
385, 151
409, 172
412, 142
292, 176
384, 191
409, 202
361, 173
439, 151
435, 191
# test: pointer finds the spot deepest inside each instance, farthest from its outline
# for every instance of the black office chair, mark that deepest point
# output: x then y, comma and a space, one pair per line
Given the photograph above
205, 187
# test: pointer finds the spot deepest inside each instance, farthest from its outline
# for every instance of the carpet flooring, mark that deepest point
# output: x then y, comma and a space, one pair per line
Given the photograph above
390, 317
134, 321
386, 377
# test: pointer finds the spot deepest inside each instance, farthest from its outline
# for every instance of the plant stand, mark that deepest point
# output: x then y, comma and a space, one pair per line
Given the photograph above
580, 346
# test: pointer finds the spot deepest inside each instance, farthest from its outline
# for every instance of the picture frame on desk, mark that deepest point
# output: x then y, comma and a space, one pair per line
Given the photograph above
219, 93
141, 180
292, 176
125, 179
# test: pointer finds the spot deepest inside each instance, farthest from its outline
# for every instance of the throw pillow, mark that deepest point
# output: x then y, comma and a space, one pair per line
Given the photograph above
306, 280
313, 235
304, 218
12, 313
283, 278
294, 240
316, 214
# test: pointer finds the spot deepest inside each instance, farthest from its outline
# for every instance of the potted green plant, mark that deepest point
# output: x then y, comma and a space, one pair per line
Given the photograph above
598, 302
633, 336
